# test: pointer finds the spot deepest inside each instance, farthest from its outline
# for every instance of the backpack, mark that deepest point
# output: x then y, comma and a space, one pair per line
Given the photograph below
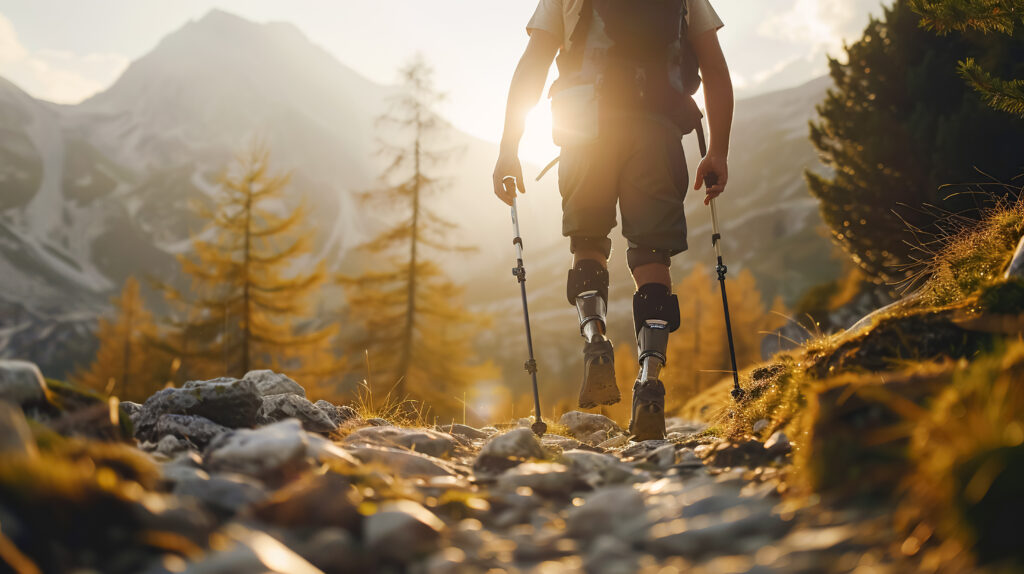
649, 66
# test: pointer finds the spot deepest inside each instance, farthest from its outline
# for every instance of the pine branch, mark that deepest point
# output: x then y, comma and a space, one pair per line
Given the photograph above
1003, 95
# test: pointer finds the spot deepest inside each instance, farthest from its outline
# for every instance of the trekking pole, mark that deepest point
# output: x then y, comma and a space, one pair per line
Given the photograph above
709, 181
539, 428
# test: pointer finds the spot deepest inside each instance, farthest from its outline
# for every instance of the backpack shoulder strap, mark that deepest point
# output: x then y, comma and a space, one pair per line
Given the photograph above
570, 60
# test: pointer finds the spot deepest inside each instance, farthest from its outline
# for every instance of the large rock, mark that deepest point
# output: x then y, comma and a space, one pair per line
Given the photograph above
225, 494
727, 533
597, 469
270, 383
229, 402
401, 531
509, 449
273, 451
425, 441
586, 425
464, 431
199, 430
339, 415
403, 462
313, 501
284, 406
21, 383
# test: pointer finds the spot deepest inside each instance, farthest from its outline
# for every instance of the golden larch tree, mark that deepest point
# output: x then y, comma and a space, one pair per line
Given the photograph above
414, 329
127, 364
253, 285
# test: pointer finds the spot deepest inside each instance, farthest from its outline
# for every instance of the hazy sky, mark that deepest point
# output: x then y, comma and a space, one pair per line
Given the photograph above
66, 50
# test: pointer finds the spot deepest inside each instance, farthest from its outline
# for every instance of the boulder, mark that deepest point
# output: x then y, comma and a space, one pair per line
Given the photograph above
273, 451
225, 494
270, 383
778, 444
21, 383
339, 415
509, 449
129, 408
187, 465
15, 437
401, 531
196, 429
586, 425
425, 441
284, 406
229, 402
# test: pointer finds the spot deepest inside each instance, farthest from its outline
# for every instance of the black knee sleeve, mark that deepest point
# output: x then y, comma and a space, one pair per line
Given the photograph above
637, 256
655, 301
587, 275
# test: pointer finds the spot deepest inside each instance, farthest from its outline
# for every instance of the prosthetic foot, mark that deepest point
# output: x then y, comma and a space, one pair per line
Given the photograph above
655, 314
588, 291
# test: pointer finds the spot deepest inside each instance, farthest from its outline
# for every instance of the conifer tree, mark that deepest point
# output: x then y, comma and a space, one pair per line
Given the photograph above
127, 364
1000, 16
898, 125
418, 337
248, 307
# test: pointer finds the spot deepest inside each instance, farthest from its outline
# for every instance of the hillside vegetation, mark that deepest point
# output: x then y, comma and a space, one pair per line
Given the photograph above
918, 404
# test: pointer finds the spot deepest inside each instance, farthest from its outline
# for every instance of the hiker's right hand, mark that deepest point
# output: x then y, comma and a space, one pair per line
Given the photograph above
508, 166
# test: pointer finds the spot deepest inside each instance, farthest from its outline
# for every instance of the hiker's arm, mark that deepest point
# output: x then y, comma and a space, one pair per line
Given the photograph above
718, 99
527, 84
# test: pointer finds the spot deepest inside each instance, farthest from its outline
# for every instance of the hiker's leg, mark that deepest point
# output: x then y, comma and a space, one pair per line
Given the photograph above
587, 290
654, 185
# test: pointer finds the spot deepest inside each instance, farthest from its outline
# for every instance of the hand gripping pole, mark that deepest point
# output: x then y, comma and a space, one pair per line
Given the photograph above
539, 428
709, 181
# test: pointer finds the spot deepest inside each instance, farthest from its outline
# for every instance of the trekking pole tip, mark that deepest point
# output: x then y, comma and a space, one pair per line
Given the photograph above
539, 428
738, 394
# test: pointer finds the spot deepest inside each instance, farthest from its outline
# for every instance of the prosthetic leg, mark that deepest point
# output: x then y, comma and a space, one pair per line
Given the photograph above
655, 315
587, 290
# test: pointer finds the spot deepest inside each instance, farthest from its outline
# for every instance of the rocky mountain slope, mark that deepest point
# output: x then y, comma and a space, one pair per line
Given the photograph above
95, 192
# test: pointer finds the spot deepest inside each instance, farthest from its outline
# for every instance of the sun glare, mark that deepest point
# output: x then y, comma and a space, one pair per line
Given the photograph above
536, 146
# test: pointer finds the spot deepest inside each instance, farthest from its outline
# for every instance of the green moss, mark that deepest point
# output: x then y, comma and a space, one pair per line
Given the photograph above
1003, 297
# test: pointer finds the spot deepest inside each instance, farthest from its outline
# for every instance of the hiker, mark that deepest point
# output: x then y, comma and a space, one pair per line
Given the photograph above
620, 105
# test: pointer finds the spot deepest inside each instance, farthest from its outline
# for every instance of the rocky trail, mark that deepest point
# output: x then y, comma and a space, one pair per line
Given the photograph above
247, 475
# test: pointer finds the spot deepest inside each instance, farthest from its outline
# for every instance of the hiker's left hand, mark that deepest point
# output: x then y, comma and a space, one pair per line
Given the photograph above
718, 166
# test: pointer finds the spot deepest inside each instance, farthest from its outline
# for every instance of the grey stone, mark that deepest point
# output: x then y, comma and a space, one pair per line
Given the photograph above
401, 531
15, 437
403, 462
187, 465
323, 450
270, 383
130, 408
615, 442
1016, 266
167, 447
585, 425
224, 493
597, 469
778, 444
275, 449
339, 415
250, 551
663, 456
465, 431
379, 422
560, 442
199, 430
285, 406
21, 383
605, 510
509, 449
229, 402
708, 535
688, 459
761, 425
425, 441
611, 555
546, 478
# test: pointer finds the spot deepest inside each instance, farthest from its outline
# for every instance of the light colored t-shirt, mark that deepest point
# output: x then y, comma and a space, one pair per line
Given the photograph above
559, 17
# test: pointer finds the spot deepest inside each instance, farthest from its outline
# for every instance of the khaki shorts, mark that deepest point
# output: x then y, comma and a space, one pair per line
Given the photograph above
637, 163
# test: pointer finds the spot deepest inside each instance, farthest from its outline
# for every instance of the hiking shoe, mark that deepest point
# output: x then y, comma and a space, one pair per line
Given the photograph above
648, 418
599, 386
